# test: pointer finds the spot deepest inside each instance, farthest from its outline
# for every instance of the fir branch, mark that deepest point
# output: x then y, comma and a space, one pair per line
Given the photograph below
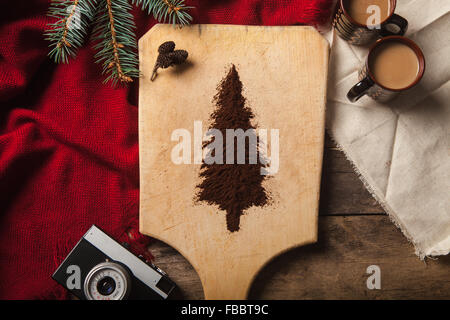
114, 28
67, 34
172, 11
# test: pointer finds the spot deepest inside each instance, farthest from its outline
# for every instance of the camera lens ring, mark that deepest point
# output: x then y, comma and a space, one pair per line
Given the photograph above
120, 282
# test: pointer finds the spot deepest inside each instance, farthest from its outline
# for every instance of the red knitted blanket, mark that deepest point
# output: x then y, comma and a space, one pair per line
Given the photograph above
69, 144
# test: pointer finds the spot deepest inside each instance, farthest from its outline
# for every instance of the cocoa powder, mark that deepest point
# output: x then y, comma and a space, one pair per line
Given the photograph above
232, 187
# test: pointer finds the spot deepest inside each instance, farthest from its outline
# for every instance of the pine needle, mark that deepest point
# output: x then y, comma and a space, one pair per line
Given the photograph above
166, 11
67, 34
114, 29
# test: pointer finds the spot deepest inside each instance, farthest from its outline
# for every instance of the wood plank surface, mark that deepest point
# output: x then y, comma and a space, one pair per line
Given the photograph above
354, 233
342, 192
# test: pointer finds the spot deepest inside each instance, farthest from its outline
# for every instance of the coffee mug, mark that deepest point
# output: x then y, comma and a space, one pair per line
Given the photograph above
353, 17
394, 64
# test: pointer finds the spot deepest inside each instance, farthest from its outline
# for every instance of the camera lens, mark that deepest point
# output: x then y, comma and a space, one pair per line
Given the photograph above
107, 281
106, 286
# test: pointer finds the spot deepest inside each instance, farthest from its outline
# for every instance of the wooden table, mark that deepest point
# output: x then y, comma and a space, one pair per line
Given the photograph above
354, 233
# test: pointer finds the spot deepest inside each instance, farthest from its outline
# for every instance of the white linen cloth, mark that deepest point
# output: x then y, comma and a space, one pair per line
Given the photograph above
401, 149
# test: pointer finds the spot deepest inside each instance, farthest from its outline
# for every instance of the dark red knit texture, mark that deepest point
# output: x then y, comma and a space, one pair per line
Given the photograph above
69, 144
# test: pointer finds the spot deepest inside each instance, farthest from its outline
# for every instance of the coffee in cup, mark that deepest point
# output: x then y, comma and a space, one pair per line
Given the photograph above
361, 21
360, 10
394, 64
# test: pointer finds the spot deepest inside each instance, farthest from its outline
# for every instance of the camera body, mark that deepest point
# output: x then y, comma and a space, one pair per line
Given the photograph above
99, 268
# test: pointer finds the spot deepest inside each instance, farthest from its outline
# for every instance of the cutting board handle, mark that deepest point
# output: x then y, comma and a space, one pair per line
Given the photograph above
222, 284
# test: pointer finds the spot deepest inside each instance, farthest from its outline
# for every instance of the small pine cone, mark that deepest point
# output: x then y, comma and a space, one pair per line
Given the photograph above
178, 56
166, 47
164, 61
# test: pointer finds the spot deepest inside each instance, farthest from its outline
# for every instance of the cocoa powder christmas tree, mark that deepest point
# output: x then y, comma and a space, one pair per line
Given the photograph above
233, 187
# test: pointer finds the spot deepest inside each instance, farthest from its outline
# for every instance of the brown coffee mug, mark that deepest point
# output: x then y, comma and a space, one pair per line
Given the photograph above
394, 64
359, 33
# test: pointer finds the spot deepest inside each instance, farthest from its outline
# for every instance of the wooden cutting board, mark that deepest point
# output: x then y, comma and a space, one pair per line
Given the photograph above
284, 75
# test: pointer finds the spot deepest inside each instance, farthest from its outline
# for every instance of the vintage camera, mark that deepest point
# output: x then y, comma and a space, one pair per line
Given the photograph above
99, 268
